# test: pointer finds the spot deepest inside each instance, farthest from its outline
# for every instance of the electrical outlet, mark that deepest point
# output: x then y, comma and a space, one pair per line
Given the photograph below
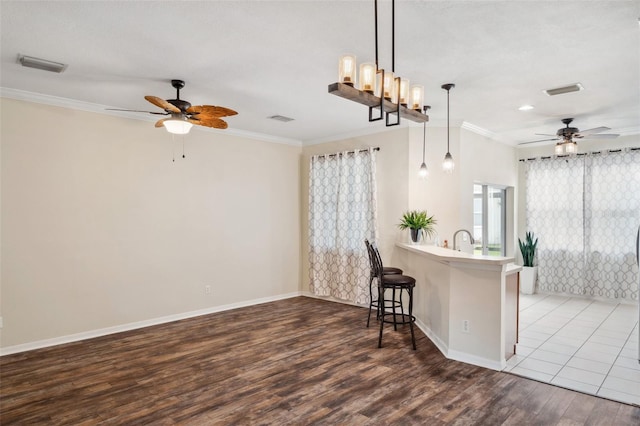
207, 289
465, 326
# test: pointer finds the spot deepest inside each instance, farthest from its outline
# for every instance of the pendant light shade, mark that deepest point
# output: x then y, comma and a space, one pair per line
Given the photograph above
368, 77
417, 97
448, 165
347, 70
404, 92
423, 172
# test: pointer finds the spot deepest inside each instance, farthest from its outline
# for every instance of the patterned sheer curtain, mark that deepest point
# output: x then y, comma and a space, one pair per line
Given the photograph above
342, 213
585, 210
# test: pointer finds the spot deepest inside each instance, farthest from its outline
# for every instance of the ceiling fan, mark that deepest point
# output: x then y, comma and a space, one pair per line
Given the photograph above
566, 137
183, 114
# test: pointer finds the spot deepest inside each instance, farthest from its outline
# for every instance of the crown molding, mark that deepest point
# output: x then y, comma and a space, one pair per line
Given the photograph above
40, 98
482, 132
354, 134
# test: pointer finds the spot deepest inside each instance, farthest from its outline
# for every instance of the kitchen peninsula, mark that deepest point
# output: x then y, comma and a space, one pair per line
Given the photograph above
466, 304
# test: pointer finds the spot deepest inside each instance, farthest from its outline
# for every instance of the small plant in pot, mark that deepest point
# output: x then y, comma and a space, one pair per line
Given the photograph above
529, 271
419, 223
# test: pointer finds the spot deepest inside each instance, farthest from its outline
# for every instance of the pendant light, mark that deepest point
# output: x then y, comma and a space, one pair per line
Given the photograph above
423, 173
448, 164
382, 91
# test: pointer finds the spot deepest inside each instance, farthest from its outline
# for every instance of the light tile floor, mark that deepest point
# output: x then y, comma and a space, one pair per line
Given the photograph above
586, 345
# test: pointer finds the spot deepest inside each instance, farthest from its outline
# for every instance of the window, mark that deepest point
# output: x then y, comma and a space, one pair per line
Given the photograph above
489, 219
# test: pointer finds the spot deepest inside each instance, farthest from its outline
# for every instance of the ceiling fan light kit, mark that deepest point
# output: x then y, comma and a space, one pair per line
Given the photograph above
380, 89
177, 126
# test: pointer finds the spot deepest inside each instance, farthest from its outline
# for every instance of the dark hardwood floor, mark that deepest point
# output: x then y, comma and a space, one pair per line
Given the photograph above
295, 361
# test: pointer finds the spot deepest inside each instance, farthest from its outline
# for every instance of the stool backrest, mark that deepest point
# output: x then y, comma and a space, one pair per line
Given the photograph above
371, 265
377, 261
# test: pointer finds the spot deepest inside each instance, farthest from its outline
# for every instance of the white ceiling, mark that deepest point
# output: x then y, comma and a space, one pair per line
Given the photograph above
277, 57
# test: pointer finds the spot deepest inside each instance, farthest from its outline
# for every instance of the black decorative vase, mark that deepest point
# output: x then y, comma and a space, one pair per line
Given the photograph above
415, 235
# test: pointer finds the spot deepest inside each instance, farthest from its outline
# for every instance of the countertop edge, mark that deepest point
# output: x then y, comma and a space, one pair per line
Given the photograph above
450, 256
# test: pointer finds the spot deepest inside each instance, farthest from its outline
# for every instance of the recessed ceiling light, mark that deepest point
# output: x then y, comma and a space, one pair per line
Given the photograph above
526, 107
566, 89
41, 64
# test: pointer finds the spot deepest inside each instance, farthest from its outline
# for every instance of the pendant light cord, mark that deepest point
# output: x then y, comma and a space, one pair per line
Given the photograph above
375, 20
393, 36
393, 33
448, 119
424, 138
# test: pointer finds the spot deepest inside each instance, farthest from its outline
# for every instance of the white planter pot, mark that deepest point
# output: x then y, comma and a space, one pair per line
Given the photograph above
528, 277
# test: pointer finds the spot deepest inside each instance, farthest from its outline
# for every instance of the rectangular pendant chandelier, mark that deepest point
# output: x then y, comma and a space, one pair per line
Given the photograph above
379, 89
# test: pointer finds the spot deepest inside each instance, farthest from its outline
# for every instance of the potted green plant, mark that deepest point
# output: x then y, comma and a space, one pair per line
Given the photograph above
529, 272
419, 223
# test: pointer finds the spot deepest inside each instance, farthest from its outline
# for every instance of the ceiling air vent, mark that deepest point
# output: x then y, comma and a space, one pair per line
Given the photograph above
280, 118
566, 89
41, 64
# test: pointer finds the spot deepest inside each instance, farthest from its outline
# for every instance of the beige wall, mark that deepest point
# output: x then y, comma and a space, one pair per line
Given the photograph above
100, 228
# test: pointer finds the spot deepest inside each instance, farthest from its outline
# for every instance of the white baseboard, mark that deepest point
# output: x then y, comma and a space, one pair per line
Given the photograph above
442, 346
331, 299
476, 360
139, 324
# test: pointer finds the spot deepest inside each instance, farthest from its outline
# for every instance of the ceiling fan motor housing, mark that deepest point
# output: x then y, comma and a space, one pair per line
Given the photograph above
567, 132
179, 103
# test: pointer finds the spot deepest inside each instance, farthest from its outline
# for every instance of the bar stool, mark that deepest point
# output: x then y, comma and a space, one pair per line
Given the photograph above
394, 283
372, 251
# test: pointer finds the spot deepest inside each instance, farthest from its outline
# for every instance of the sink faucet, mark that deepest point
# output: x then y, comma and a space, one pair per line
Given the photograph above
471, 240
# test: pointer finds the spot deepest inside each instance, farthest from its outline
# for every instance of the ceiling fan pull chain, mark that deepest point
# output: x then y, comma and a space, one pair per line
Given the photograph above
173, 147
183, 147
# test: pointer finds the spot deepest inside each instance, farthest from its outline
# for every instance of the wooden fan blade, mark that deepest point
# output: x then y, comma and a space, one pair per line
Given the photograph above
160, 123
161, 103
210, 111
543, 134
216, 123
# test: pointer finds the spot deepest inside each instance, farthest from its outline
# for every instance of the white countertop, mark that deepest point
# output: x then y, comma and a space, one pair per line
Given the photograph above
453, 256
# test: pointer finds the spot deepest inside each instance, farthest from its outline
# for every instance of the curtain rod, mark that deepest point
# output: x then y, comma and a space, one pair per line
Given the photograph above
377, 148
548, 157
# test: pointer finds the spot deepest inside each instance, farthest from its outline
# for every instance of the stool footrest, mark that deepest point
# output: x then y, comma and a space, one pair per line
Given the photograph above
398, 318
